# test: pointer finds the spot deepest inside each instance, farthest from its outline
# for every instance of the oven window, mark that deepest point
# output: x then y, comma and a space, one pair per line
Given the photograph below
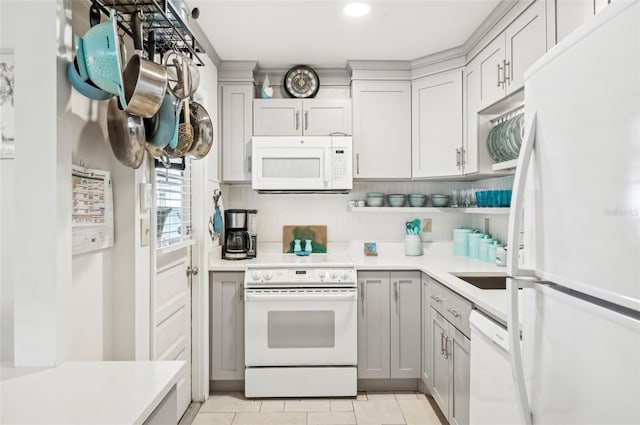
301, 329
305, 168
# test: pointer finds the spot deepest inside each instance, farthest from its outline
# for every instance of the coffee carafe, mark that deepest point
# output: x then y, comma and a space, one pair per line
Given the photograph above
236, 237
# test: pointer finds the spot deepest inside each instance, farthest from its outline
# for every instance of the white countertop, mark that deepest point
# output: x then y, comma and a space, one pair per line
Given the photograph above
86, 392
437, 261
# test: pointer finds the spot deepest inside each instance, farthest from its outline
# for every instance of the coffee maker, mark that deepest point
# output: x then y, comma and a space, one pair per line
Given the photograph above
239, 234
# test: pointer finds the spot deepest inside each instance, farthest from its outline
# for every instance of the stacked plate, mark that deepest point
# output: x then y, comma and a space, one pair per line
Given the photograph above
504, 139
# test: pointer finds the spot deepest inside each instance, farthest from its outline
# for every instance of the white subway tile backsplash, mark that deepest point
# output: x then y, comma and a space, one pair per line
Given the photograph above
277, 210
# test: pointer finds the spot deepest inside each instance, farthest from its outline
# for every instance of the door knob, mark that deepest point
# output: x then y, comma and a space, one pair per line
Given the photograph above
192, 271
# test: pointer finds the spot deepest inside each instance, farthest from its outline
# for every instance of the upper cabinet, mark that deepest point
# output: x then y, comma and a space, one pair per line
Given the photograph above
437, 148
235, 106
502, 62
471, 105
381, 129
293, 117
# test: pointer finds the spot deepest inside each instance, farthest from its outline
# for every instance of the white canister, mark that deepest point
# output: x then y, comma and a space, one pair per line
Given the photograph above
501, 256
412, 245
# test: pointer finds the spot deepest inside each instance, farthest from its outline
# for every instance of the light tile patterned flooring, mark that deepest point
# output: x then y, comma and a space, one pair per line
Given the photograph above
368, 408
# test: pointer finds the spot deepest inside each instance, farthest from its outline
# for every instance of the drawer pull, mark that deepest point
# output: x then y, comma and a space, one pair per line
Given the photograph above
453, 312
436, 299
441, 343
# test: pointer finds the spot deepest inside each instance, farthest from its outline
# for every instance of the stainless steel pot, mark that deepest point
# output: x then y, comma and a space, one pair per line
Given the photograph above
126, 135
145, 82
203, 132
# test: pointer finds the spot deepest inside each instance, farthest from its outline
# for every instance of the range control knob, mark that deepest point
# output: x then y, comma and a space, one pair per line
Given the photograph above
345, 275
334, 275
255, 275
267, 275
322, 274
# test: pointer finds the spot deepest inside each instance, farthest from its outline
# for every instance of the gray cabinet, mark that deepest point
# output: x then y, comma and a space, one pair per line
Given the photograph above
437, 125
295, 117
503, 61
227, 326
236, 130
449, 362
471, 106
381, 129
389, 325
427, 343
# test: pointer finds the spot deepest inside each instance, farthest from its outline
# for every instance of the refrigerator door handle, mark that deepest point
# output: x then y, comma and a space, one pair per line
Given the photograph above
515, 352
515, 217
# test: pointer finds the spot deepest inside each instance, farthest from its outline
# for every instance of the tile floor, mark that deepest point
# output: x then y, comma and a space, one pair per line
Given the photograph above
368, 408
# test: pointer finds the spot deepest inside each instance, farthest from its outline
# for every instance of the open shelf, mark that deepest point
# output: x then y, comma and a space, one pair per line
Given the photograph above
506, 165
496, 211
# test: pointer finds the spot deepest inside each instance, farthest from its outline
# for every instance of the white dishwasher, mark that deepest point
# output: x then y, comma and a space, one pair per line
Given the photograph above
493, 396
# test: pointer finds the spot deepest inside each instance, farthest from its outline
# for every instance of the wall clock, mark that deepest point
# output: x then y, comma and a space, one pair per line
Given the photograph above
301, 81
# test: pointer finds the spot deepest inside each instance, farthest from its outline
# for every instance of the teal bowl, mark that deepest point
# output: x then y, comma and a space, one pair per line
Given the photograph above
85, 87
165, 131
101, 47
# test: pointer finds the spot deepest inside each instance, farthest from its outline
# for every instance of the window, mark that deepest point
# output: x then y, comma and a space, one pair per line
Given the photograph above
173, 203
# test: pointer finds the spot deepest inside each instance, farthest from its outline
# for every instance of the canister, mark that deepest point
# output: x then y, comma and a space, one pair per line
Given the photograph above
474, 239
483, 248
491, 251
461, 241
412, 245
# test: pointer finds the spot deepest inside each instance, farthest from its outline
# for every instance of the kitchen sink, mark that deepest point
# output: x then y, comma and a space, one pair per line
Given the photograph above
485, 282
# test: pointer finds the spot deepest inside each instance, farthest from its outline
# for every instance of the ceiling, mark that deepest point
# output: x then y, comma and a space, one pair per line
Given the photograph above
316, 32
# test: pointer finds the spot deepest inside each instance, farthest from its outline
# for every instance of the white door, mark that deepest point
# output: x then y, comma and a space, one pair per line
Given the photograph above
277, 117
437, 125
322, 117
294, 327
172, 322
491, 61
171, 284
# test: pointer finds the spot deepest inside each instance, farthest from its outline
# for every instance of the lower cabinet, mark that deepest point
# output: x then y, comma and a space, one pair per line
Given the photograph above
446, 360
227, 326
389, 324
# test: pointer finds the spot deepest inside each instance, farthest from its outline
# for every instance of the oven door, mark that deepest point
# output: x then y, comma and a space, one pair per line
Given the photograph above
301, 327
291, 163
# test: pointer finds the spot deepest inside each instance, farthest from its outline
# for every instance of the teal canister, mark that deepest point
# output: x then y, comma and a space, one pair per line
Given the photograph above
483, 249
461, 242
474, 244
492, 251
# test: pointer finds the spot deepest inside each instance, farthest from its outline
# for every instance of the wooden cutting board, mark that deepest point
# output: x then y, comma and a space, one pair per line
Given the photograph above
317, 234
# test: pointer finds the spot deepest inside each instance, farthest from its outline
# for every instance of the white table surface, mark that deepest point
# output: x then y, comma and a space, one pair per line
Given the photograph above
86, 392
437, 261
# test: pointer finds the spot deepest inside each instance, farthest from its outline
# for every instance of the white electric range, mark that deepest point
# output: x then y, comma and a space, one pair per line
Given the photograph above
301, 326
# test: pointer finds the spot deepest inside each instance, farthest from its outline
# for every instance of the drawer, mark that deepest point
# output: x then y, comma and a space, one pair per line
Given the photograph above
437, 296
456, 310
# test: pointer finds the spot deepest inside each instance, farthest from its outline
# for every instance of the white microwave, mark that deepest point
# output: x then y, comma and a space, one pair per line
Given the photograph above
302, 164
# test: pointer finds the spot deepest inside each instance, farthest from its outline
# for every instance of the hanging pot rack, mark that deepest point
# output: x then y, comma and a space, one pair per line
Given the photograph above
171, 30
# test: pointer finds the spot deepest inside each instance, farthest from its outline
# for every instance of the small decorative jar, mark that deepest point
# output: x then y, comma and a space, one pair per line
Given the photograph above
296, 246
307, 245
461, 242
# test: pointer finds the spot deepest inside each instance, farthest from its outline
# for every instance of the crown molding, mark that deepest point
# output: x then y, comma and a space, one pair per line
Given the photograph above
237, 71
380, 70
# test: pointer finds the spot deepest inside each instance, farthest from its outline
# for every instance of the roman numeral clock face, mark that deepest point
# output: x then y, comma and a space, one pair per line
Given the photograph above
301, 82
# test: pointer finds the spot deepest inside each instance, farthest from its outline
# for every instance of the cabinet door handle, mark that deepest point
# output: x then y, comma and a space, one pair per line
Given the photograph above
508, 74
442, 343
447, 354
436, 299
306, 120
240, 292
453, 312
462, 157
500, 70
297, 120
357, 163
458, 158
362, 296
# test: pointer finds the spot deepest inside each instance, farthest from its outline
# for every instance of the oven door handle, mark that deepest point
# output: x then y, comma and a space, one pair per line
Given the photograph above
319, 296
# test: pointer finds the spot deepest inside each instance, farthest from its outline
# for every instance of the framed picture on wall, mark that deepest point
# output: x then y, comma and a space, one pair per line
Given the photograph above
7, 96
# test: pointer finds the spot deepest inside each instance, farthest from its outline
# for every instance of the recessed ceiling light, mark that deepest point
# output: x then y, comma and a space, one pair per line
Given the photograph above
356, 9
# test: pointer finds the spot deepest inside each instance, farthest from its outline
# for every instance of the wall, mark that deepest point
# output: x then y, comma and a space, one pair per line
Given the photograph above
274, 211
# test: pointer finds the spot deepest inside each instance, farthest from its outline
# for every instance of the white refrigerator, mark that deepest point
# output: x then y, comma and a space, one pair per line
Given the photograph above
577, 202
